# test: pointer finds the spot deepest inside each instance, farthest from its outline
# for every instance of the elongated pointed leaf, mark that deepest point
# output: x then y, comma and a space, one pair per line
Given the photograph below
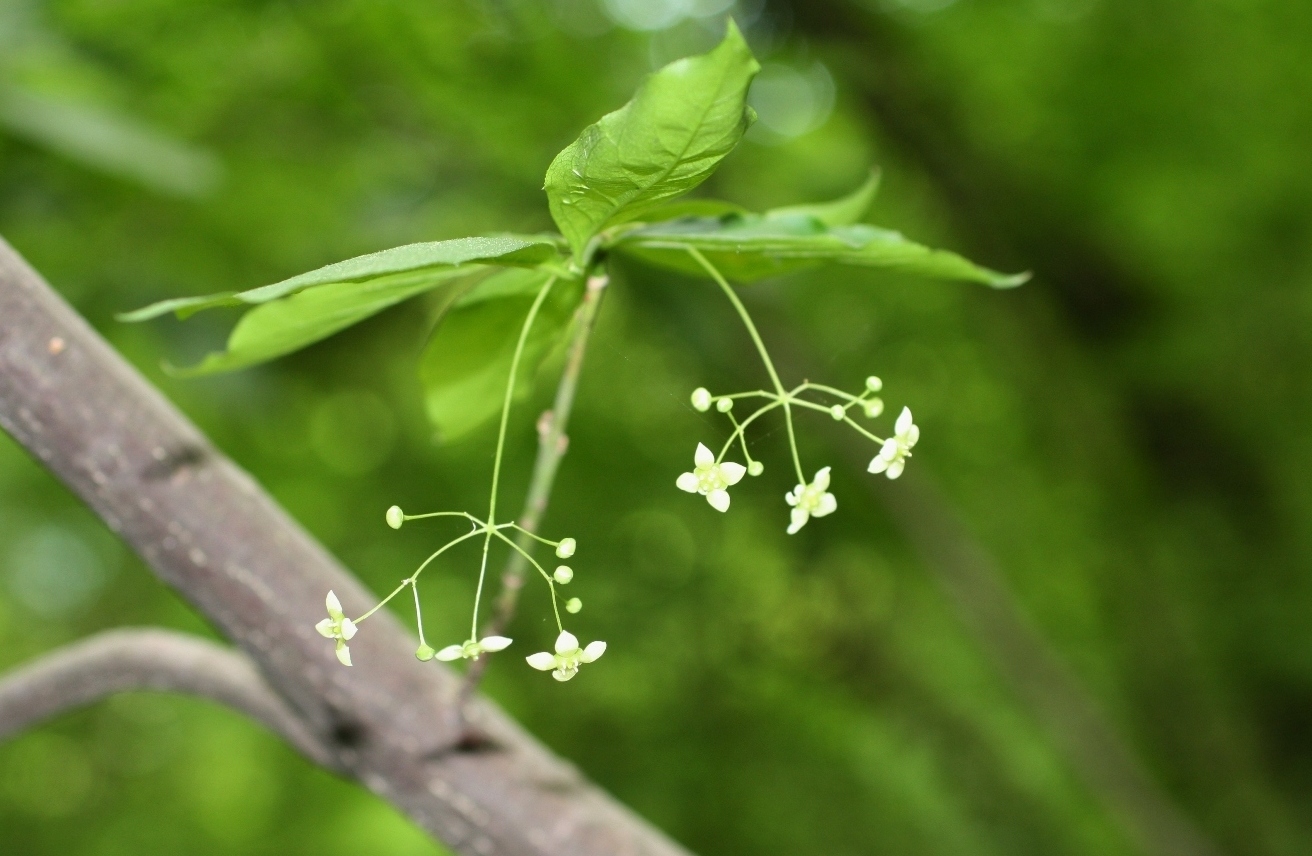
840, 212
746, 249
466, 365
680, 124
280, 327
434, 256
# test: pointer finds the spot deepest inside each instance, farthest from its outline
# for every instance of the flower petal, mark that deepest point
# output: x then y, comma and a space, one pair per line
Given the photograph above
343, 654
903, 423
912, 436
566, 643
877, 464
895, 469
827, 505
799, 516
703, 457
593, 652
890, 450
334, 605
821, 478
348, 629
562, 675
792, 495
494, 643
719, 500
542, 661
326, 628
688, 482
450, 652
732, 472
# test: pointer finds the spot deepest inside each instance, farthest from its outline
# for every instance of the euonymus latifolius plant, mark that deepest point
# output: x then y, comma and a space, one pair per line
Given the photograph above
511, 299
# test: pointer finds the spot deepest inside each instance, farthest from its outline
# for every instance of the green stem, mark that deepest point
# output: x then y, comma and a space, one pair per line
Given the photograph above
552, 442
760, 349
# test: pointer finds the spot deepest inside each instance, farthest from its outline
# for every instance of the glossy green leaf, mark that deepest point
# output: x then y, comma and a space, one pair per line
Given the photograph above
280, 327
746, 249
668, 139
433, 256
466, 364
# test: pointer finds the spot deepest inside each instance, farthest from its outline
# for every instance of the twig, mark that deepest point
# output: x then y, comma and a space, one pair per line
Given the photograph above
208, 530
123, 660
553, 441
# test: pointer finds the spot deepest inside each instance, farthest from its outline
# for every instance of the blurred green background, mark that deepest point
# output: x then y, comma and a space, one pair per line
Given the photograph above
1124, 438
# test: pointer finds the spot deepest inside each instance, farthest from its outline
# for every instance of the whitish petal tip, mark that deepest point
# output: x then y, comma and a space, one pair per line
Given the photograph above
732, 472
719, 500
451, 652
494, 643
542, 661
344, 655
828, 504
687, 482
334, 605
566, 643
593, 652
703, 457
904, 421
348, 629
325, 628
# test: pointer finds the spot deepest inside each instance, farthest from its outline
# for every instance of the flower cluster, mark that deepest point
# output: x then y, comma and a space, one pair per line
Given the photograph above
712, 475
563, 664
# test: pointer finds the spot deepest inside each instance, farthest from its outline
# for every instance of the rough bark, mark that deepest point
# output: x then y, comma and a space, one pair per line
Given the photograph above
208, 530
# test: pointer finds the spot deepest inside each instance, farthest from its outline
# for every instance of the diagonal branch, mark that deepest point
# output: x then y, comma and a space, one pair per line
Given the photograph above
124, 660
212, 533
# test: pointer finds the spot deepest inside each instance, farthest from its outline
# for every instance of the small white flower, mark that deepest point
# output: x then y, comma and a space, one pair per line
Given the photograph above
892, 457
711, 479
337, 626
564, 664
810, 500
471, 650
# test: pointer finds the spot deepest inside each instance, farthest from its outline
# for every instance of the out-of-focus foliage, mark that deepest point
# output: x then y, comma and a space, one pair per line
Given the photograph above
1125, 434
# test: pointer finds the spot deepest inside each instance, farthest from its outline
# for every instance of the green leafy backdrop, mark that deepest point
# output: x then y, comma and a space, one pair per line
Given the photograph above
1125, 435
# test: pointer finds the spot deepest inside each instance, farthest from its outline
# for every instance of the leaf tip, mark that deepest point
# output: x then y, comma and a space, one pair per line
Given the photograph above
1003, 281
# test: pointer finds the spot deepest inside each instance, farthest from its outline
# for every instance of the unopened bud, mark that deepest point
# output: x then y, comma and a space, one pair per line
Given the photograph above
874, 407
874, 384
838, 412
724, 405
565, 548
395, 517
755, 468
424, 653
573, 605
701, 399
563, 574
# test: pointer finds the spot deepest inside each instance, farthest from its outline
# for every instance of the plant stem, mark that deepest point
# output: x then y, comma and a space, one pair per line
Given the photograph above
551, 448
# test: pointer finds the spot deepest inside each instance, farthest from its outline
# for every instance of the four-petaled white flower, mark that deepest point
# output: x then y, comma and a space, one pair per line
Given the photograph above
472, 649
564, 664
337, 626
711, 479
892, 457
810, 500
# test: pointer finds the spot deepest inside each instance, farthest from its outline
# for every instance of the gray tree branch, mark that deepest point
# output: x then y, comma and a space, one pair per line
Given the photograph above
208, 530
161, 660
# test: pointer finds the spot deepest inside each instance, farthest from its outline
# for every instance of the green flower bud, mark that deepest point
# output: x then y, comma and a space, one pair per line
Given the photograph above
701, 399
874, 407
838, 412
874, 384
724, 405
565, 548
563, 574
395, 517
424, 653
755, 468
573, 605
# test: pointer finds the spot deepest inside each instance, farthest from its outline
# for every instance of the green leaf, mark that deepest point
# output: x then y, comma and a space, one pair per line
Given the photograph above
840, 212
281, 326
466, 364
681, 123
746, 249
433, 256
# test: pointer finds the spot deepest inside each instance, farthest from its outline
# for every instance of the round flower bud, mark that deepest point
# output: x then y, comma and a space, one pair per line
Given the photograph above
874, 384
701, 399
755, 468
395, 517
573, 605
838, 412
565, 548
874, 407
424, 653
563, 574
724, 405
